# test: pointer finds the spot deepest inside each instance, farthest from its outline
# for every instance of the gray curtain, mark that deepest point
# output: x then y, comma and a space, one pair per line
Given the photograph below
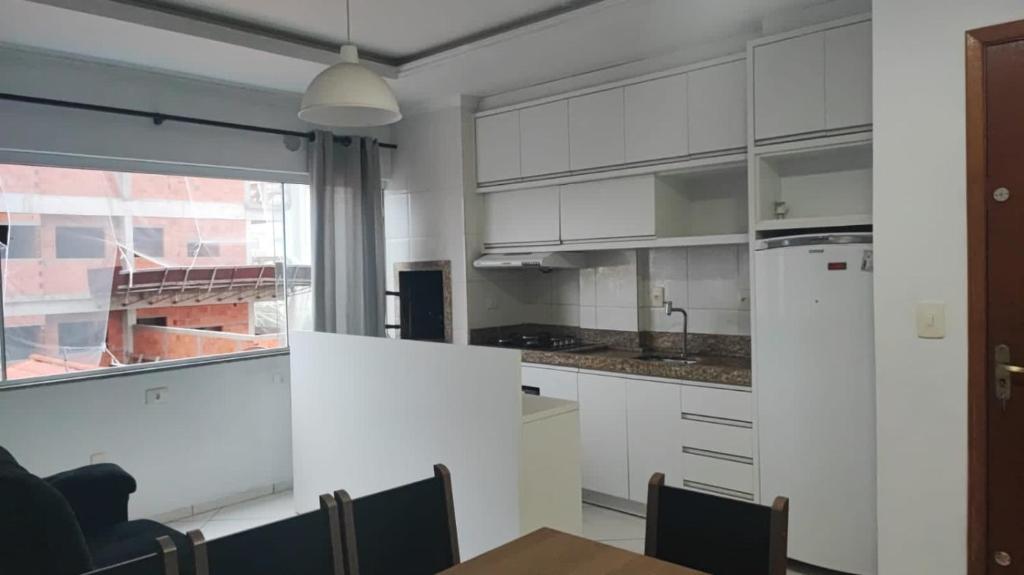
348, 236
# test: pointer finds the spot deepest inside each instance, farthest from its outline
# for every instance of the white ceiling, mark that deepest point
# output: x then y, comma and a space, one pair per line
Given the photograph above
390, 27
603, 35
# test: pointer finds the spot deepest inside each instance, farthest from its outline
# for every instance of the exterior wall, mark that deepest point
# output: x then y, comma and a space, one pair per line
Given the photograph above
178, 343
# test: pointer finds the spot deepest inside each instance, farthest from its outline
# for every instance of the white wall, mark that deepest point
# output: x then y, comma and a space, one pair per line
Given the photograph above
224, 429
47, 129
920, 254
423, 206
366, 423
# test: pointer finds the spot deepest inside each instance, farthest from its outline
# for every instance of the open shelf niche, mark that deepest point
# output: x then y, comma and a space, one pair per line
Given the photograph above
814, 188
710, 202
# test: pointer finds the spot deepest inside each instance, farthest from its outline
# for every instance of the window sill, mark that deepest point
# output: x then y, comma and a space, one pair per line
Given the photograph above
140, 368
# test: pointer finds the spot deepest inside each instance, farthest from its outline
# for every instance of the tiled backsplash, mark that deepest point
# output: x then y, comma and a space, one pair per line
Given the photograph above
613, 292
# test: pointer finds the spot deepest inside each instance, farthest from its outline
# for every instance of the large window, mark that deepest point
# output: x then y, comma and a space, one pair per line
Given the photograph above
108, 269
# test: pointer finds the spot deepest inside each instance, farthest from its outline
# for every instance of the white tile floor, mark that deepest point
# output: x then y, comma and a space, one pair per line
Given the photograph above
611, 527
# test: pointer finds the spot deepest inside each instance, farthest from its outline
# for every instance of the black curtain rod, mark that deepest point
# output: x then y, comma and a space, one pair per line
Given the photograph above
159, 118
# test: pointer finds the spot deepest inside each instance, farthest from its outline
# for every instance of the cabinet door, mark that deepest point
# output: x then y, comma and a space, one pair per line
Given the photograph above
656, 119
608, 209
655, 437
497, 147
521, 217
848, 76
544, 138
596, 136
717, 107
557, 383
789, 86
603, 434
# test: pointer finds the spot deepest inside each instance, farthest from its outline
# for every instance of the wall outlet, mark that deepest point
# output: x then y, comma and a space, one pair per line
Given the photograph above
156, 395
100, 457
491, 302
657, 296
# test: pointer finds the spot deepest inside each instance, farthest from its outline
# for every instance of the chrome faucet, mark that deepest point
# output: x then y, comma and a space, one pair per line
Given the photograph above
669, 310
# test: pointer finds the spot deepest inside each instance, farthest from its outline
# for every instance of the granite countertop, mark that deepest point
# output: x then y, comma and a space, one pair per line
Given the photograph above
726, 370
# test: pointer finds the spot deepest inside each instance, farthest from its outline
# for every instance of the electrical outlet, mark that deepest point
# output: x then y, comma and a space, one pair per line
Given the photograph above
657, 296
491, 302
156, 395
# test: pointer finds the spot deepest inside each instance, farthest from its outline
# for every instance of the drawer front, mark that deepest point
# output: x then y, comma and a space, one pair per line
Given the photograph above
735, 405
734, 476
552, 382
727, 439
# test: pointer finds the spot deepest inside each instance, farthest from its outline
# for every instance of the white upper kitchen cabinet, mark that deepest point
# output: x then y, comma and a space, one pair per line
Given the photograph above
655, 438
848, 76
544, 138
521, 217
596, 136
717, 107
789, 86
603, 431
497, 147
608, 209
655, 123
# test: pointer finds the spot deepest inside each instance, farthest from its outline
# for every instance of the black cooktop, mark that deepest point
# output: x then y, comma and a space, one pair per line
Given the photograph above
540, 341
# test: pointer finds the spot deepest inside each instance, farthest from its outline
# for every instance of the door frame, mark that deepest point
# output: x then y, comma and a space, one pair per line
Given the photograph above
977, 290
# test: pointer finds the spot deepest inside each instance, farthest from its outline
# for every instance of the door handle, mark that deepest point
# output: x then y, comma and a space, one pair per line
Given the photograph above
1004, 371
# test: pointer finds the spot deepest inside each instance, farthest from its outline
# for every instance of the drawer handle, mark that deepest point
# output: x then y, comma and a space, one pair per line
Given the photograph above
716, 420
717, 455
714, 489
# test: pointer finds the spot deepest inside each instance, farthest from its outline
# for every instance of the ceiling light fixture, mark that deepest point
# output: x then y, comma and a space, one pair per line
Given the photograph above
348, 95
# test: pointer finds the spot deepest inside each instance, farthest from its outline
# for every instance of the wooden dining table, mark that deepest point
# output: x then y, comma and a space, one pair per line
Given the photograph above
550, 552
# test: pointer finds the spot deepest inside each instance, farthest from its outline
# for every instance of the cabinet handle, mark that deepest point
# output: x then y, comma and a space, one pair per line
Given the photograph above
718, 455
716, 420
698, 486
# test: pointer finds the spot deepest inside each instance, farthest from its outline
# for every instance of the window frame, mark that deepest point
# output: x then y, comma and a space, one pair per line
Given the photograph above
101, 163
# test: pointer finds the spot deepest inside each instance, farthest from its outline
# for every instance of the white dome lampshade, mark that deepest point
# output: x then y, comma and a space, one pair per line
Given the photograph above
348, 95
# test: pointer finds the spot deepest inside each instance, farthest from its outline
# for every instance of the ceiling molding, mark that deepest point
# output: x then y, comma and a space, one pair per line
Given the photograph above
165, 15
203, 24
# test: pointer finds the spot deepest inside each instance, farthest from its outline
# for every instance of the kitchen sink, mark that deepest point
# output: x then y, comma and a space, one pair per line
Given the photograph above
667, 358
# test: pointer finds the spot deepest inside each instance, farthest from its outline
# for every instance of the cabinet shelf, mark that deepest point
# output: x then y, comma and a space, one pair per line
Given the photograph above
805, 223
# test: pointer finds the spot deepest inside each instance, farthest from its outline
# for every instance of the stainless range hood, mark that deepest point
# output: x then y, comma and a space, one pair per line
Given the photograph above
533, 260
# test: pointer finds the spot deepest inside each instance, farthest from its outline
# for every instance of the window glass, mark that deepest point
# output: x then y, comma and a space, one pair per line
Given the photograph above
106, 269
80, 242
148, 242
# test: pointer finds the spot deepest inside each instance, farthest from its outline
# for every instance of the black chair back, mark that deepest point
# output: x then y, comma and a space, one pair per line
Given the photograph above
39, 532
715, 534
307, 544
163, 562
408, 530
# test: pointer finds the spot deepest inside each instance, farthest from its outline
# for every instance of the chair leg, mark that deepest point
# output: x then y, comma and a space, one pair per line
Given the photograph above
779, 537
330, 506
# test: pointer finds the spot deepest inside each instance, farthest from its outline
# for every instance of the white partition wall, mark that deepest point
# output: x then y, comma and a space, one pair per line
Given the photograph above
369, 414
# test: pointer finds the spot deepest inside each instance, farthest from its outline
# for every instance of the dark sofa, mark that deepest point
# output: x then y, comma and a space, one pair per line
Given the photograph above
72, 522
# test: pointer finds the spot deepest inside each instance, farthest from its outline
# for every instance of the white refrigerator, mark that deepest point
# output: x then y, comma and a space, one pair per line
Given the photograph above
814, 380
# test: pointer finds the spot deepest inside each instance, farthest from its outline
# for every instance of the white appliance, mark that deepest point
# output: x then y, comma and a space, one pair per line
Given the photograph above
814, 380
532, 260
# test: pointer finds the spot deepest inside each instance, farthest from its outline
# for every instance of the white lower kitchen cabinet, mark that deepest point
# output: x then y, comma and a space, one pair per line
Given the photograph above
654, 435
604, 433
557, 382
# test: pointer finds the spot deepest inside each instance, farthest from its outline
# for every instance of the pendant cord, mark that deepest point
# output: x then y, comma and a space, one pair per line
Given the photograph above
348, 23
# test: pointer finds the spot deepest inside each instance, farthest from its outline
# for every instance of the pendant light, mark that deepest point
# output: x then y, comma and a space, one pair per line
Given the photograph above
348, 95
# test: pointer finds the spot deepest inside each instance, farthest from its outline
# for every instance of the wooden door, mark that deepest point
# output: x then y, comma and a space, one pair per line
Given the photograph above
603, 433
995, 150
654, 433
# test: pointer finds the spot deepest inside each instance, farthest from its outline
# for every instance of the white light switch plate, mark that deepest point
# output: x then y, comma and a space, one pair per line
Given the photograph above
657, 296
931, 320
